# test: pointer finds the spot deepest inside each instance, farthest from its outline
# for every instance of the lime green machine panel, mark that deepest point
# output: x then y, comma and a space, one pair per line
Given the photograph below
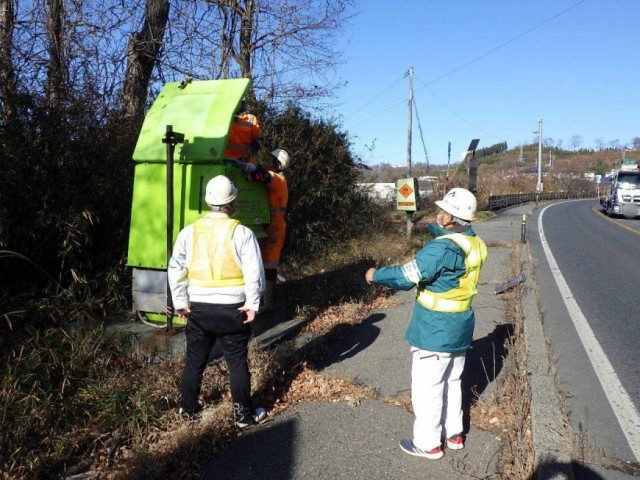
204, 119
201, 110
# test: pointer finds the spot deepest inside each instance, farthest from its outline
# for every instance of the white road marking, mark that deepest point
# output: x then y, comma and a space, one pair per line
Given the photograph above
618, 397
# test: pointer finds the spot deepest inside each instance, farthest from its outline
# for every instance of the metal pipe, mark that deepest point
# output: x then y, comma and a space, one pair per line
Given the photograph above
170, 138
170, 149
523, 231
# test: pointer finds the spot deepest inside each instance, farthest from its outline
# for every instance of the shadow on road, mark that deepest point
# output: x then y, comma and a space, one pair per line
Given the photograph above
266, 453
342, 343
484, 362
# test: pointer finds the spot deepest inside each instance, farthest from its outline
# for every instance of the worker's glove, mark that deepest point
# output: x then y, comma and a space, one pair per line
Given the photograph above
255, 146
247, 168
252, 169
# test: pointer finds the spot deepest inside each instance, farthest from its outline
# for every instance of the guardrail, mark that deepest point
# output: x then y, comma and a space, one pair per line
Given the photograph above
498, 202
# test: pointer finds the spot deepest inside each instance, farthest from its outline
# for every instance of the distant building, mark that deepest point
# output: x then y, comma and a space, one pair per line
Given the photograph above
381, 191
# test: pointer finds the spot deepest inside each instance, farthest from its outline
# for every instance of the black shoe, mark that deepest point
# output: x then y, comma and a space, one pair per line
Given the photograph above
189, 414
245, 417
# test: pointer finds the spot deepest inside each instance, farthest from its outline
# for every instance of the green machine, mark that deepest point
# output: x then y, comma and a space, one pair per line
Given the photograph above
180, 148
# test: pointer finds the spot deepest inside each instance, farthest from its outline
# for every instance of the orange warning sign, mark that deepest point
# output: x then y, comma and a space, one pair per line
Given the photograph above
407, 194
406, 190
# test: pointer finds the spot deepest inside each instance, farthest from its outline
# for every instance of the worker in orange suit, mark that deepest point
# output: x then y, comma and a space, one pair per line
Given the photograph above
245, 136
271, 246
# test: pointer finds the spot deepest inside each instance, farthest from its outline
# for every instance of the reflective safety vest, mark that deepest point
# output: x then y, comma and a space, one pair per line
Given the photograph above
271, 247
213, 263
459, 298
244, 130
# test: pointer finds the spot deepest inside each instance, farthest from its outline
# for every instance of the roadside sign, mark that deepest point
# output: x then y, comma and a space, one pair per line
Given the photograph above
407, 194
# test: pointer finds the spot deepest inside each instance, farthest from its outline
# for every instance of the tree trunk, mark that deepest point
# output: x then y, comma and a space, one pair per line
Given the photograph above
246, 46
245, 11
56, 66
142, 55
7, 73
246, 29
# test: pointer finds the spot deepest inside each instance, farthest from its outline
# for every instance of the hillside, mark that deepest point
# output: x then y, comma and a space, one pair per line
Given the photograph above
504, 173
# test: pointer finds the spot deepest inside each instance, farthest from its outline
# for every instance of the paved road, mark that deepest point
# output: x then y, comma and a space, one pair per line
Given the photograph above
598, 259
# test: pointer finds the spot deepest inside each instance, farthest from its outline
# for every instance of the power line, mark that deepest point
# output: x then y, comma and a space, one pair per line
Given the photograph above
376, 96
424, 147
454, 112
526, 32
451, 72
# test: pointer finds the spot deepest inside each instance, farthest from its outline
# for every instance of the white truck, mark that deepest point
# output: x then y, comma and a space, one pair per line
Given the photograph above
623, 196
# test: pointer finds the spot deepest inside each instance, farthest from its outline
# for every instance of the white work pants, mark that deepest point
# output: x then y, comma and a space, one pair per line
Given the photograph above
436, 395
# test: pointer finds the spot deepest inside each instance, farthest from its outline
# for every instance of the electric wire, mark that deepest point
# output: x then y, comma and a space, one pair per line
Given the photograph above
424, 147
143, 318
526, 32
466, 64
375, 97
454, 112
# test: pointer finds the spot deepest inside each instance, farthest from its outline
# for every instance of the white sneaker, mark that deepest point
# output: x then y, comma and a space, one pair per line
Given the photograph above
407, 446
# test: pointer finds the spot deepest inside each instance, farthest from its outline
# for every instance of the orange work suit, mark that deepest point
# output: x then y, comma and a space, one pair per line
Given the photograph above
271, 246
243, 131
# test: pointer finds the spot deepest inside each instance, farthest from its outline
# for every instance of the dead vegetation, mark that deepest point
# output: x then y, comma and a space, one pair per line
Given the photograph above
140, 434
508, 412
70, 400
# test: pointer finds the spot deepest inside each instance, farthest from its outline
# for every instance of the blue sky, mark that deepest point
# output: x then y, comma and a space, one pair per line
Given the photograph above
489, 70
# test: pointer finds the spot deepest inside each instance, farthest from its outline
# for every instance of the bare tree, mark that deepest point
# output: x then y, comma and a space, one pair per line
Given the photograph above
635, 142
599, 142
7, 73
143, 50
57, 63
287, 47
113, 56
575, 141
614, 144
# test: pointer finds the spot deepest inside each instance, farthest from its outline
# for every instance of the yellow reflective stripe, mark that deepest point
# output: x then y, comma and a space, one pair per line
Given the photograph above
475, 255
270, 264
242, 123
231, 282
278, 210
431, 301
235, 146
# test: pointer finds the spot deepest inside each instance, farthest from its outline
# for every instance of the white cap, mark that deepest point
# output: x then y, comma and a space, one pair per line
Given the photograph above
460, 203
281, 156
220, 191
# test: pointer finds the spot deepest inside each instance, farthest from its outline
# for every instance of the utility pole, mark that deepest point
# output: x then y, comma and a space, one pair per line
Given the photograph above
448, 159
539, 186
410, 73
521, 157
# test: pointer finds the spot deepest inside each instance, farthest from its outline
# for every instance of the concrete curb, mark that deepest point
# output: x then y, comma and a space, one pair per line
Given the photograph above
552, 459
279, 333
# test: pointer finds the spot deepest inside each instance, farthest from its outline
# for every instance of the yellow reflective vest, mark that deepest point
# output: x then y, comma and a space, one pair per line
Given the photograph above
213, 263
458, 299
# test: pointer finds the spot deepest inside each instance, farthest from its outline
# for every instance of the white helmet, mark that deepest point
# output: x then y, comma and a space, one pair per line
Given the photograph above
220, 191
281, 156
460, 203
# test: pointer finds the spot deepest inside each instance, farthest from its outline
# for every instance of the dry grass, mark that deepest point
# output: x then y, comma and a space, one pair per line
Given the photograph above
508, 412
115, 416
151, 441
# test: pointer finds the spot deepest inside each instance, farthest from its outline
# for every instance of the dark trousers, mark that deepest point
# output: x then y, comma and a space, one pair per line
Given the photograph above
206, 324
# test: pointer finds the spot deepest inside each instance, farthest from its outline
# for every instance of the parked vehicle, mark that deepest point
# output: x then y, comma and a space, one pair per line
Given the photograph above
623, 195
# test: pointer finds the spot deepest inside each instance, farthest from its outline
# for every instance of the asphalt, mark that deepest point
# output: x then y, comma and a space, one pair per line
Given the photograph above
341, 441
